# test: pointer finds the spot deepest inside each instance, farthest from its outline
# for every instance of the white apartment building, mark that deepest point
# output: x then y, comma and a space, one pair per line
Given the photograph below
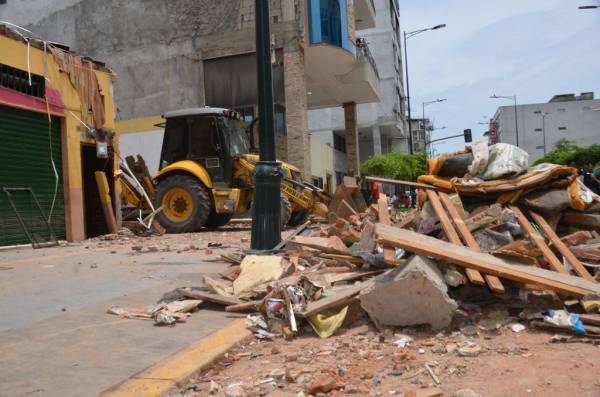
540, 125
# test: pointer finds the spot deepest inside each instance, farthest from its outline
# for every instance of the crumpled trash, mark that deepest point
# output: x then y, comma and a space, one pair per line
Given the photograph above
402, 340
258, 325
564, 318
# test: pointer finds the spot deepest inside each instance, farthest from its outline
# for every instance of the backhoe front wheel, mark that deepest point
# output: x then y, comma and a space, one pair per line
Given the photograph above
186, 204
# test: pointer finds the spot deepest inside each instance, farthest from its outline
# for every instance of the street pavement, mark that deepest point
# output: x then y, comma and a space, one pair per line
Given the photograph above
56, 338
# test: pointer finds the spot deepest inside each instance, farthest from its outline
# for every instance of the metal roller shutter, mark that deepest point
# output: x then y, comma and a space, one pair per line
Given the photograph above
26, 144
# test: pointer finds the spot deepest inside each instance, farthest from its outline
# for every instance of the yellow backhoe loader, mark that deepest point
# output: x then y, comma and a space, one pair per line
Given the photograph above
205, 173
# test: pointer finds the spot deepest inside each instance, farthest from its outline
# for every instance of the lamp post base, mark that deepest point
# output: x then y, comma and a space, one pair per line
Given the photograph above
266, 223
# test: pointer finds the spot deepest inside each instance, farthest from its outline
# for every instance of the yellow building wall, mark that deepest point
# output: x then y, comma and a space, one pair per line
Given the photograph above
14, 53
322, 162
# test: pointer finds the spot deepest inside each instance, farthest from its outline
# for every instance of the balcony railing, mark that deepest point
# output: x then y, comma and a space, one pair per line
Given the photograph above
363, 51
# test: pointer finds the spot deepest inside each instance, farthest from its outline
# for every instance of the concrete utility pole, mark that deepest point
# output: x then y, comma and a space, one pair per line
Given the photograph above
266, 231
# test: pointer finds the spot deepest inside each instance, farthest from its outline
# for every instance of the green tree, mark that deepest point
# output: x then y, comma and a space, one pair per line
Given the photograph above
395, 165
566, 152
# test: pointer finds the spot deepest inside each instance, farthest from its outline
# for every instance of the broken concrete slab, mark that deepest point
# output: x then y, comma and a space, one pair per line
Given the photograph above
411, 295
256, 270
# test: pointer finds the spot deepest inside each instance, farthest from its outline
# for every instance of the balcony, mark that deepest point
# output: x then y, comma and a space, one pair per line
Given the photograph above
335, 75
364, 14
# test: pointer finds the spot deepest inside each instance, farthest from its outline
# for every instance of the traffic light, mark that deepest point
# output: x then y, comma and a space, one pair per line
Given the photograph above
468, 136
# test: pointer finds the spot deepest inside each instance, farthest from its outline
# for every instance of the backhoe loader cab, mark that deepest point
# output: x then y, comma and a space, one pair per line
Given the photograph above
205, 173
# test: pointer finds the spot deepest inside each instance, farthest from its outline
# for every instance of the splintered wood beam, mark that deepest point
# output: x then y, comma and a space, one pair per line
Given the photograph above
565, 284
492, 281
382, 209
473, 275
401, 182
554, 262
560, 246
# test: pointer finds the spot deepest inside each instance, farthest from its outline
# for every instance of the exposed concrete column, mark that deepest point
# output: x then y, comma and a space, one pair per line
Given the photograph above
296, 108
351, 137
377, 140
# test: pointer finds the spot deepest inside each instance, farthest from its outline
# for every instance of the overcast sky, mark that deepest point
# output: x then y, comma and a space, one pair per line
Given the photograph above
532, 48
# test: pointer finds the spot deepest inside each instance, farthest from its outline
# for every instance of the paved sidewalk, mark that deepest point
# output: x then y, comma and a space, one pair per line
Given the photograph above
55, 336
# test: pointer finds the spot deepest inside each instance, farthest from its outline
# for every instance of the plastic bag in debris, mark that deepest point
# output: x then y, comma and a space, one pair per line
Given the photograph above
505, 161
327, 322
564, 318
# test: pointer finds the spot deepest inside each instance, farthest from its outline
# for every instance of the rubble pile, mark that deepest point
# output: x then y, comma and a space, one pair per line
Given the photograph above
407, 268
488, 233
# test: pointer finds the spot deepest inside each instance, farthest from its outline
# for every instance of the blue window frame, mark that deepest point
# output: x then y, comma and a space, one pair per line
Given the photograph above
331, 26
328, 23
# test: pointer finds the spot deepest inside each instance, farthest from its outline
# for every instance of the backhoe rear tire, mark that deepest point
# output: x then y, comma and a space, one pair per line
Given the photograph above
186, 201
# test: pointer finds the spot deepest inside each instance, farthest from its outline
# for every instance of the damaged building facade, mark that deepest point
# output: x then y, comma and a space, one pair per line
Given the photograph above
382, 126
48, 95
184, 54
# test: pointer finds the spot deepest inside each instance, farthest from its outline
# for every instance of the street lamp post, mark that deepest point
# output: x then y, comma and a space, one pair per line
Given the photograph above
408, 35
423, 119
514, 98
544, 130
429, 149
266, 232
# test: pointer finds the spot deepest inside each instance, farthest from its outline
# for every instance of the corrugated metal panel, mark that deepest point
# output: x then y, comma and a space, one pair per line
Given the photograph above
26, 144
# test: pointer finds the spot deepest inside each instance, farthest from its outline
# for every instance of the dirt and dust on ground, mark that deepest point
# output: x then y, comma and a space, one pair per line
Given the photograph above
360, 361
488, 288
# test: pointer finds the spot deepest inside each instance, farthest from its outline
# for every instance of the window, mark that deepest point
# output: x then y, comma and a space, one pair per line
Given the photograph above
538, 130
317, 181
339, 178
18, 80
537, 112
280, 124
204, 138
561, 110
331, 26
339, 143
562, 128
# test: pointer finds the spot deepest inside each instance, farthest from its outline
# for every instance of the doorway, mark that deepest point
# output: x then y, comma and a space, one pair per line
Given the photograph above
95, 224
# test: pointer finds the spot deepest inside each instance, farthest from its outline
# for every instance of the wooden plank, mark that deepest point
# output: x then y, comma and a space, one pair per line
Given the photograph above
593, 319
389, 256
331, 245
299, 230
401, 182
105, 200
333, 278
209, 297
554, 262
334, 300
382, 210
474, 276
367, 237
465, 257
561, 247
245, 307
352, 259
492, 281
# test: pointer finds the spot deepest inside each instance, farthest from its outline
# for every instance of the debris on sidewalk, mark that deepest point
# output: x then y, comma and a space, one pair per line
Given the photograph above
476, 259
